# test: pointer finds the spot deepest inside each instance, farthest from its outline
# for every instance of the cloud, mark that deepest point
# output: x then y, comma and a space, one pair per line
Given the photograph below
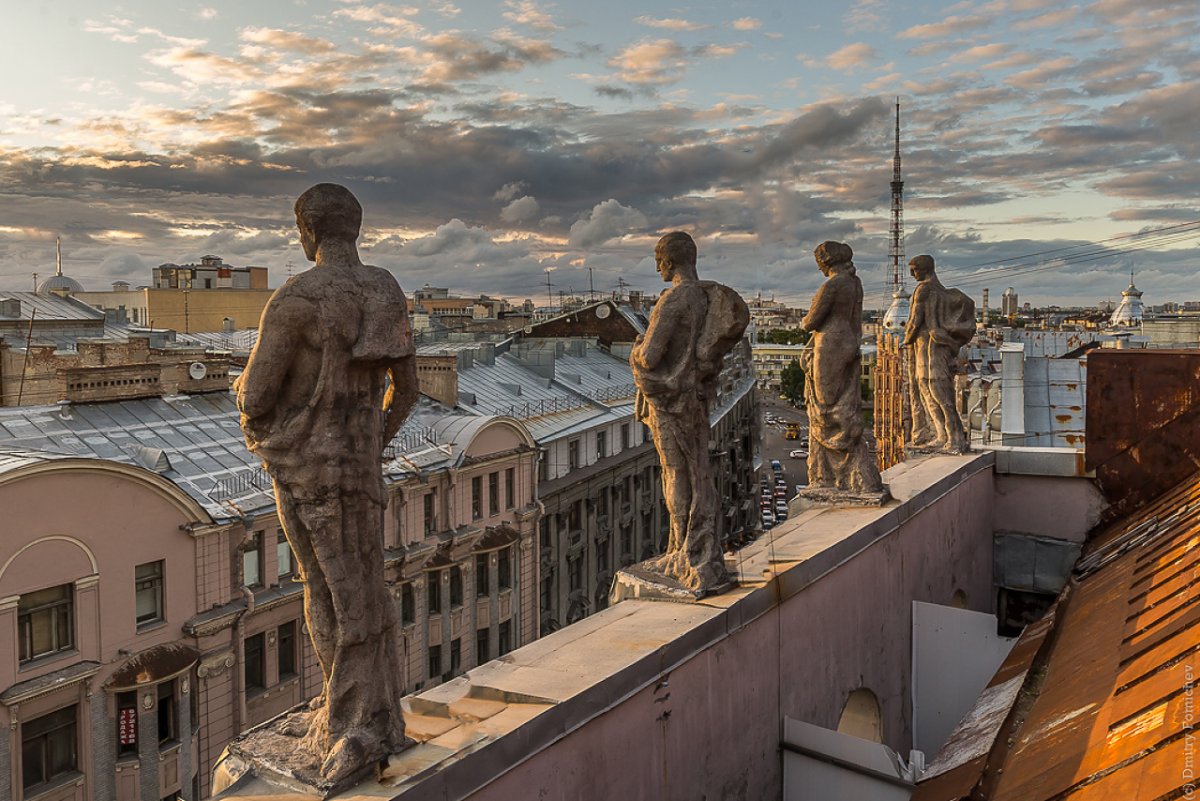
384, 19
510, 190
607, 221
1050, 19
865, 15
980, 52
527, 12
746, 24
206, 13
520, 210
654, 62
949, 25
669, 23
287, 40
851, 57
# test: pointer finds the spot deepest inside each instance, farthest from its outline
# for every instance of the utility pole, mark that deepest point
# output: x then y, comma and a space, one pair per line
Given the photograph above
591, 287
549, 292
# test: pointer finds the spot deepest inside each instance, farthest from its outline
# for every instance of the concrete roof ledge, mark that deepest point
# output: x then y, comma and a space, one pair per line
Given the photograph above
557, 685
1026, 461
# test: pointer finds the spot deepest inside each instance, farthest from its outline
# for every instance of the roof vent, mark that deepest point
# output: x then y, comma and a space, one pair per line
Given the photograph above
10, 307
151, 458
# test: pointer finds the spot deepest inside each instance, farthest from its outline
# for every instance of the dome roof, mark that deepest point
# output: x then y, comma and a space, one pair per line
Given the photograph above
59, 283
896, 317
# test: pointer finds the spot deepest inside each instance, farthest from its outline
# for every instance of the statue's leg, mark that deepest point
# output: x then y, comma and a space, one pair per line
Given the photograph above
704, 554
365, 721
953, 437
302, 524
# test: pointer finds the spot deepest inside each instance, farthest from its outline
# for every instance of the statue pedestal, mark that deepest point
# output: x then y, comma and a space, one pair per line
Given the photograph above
910, 451
636, 582
815, 497
270, 754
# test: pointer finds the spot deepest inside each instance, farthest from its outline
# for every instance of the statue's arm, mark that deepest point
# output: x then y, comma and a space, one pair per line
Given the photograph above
822, 303
405, 389
654, 344
279, 332
916, 316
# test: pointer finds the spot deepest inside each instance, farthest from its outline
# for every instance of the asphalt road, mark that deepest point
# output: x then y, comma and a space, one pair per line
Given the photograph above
774, 446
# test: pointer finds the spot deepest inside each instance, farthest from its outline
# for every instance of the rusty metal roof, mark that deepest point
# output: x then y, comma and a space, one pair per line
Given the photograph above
1105, 709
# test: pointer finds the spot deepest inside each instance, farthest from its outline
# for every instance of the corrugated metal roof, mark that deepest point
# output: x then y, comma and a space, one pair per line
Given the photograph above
1106, 709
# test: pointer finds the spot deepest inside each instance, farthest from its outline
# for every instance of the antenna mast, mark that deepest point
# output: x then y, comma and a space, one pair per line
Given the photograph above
58, 250
549, 292
896, 246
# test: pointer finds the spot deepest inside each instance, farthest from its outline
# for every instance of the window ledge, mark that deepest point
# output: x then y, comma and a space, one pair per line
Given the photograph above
42, 790
46, 659
151, 625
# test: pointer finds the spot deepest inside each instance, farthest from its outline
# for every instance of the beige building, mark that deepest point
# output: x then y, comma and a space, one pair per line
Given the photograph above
148, 604
184, 310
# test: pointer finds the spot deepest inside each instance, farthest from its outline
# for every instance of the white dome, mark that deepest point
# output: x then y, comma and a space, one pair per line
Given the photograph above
896, 317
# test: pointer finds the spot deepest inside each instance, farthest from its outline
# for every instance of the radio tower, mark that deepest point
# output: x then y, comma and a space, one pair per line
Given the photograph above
897, 313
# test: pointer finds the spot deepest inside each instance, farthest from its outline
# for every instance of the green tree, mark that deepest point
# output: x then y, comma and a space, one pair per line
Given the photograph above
784, 336
792, 382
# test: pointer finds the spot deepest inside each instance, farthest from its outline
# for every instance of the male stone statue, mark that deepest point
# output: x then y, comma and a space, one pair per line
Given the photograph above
840, 467
675, 365
941, 321
329, 383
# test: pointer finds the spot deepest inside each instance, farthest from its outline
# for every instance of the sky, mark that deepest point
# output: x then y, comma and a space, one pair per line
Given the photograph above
498, 145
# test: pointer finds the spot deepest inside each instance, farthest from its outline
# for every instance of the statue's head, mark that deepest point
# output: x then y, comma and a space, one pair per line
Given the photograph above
834, 257
327, 211
675, 254
920, 267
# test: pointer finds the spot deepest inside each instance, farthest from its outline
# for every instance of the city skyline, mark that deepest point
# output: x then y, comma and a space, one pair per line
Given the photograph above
491, 142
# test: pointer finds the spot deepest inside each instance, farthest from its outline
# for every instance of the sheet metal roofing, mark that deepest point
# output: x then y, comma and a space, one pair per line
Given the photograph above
1106, 708
201, 440
50, 307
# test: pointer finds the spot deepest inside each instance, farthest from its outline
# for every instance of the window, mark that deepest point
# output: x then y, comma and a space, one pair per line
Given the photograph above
573, 454
456, 587
48, 748
408, 604
435, 661
482, 646
166, 712
627, 538
252, 562
504, 570
544, 531
45, 622
543, 467
253, 665
603, 503
547, 592
476, 497
126, 723
602, 557
482, 578
435, 591
287, 650
575, 516
148, 583
430, 511
510, 488
505, 637
575, 573
624, 436
494, 493
284, 558
455, 655
601, 444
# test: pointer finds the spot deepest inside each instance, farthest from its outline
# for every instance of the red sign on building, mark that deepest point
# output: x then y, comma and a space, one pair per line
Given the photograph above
127, 727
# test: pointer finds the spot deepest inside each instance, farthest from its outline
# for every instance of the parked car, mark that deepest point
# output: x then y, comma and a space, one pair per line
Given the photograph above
798, 454
781, 511
777, 466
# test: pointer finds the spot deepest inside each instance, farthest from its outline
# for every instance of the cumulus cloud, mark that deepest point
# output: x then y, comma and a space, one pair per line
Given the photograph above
746, 24
851, 57
520, 210
668, 23
608, 220
527, 12
654, 62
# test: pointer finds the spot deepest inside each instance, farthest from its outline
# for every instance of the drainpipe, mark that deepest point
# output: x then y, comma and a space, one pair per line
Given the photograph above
1012, 393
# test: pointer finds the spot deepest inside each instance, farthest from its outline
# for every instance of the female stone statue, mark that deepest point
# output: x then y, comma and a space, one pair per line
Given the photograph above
838, 458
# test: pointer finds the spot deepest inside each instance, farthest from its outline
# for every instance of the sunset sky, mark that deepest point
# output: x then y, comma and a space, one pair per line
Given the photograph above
491, 141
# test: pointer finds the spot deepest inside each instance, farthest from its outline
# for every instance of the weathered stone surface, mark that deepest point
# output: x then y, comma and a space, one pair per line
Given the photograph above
317, 408
942, 320
838, 458
675, 366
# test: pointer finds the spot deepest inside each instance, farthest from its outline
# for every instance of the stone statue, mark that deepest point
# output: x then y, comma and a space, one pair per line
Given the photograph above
840, 467
329, 383
941, 321
675, 366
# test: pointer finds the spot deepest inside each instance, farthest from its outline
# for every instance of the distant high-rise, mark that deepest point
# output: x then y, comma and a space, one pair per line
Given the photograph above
1008, 303
897, 314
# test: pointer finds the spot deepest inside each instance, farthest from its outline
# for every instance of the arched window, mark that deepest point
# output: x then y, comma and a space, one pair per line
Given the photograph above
861, 717
959, 600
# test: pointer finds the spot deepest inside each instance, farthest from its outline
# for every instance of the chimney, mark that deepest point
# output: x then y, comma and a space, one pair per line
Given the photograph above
984, 317
227, 325
438, 378
10, 307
